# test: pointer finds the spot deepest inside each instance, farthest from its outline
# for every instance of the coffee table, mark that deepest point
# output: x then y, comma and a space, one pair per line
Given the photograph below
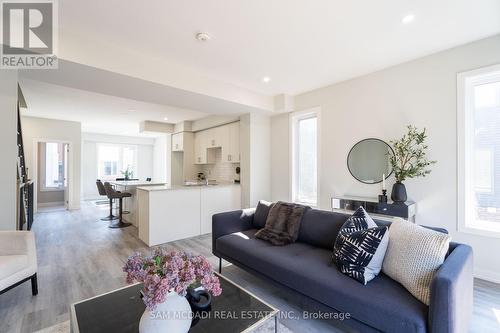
235, 310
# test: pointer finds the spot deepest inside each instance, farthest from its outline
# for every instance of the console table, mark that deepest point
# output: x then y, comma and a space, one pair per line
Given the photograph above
382, 210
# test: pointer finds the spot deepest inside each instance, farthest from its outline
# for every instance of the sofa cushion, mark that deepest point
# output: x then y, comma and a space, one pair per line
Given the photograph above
12, 264
261, 213
360, 247
320, 227
383, 304
414, 255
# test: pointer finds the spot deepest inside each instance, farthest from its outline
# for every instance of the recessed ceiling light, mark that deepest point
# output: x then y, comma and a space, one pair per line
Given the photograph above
408, 19
266, 79
131, 110
166, 118
203, 36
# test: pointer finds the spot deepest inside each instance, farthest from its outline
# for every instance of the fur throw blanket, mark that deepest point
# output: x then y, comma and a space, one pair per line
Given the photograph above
282, 224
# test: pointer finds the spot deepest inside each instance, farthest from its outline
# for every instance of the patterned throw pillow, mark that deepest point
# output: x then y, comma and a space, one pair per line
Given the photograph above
360, 247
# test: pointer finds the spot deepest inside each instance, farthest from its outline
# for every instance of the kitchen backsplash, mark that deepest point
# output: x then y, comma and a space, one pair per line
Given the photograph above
222, 172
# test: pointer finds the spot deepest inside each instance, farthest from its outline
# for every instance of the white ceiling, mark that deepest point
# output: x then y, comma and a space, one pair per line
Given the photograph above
301, 45
98, 113
116, 56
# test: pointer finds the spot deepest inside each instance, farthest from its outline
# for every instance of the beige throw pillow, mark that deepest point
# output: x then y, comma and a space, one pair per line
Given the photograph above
414, 255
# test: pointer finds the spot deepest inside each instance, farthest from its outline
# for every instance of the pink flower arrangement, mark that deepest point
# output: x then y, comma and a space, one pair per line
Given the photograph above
163, 272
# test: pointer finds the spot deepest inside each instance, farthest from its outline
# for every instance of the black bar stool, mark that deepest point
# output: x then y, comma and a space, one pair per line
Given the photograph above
114, 194
125, 211
102, 191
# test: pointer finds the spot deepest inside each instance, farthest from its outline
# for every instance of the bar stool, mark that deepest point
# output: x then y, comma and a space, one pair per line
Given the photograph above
125, 211
114, 194
102, 191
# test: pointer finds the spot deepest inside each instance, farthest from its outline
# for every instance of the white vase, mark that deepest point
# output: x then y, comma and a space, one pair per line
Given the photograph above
172, 316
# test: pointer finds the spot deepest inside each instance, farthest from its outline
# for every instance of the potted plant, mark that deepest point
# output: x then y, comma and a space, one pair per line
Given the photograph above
166, 277
408, 161
128, 173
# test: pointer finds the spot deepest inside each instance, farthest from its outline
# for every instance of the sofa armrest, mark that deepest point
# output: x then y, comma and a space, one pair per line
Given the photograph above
230, 222
451, 298
19, 243
16, 242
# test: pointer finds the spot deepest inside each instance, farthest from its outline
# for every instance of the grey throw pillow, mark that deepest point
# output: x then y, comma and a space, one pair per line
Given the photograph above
360, 247
261, 213
414, 255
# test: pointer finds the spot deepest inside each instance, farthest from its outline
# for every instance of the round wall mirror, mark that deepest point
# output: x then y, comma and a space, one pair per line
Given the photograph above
368, 160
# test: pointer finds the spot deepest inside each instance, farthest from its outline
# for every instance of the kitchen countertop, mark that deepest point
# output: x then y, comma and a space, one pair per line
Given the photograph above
183, 187
137, 183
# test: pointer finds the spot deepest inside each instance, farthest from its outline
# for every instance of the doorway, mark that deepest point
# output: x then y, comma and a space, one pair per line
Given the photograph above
52, 176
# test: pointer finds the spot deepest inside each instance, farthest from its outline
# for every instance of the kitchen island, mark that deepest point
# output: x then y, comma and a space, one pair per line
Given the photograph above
130, 204
168, 213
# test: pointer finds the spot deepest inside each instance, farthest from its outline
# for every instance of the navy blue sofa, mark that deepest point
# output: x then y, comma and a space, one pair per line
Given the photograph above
383, 305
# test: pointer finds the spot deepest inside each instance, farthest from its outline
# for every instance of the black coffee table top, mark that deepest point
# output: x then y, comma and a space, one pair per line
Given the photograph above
235, 310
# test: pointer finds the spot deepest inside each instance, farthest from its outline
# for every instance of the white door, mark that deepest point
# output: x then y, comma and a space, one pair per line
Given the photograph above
65, 181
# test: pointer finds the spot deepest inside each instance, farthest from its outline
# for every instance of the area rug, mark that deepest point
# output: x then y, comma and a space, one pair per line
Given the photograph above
267, 327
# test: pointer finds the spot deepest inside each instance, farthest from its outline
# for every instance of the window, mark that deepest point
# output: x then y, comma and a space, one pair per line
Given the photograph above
113, 160
305, 158
51, 166
478, 150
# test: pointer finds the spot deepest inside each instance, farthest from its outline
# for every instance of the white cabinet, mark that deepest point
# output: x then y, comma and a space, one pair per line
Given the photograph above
234, 142
217, 199
200, 149
169, 214
226, 137
203, 155
231, 146
178, 142
217, 136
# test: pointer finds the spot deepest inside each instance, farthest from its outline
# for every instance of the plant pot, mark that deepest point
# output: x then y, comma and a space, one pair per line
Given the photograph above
172, 316
398, 194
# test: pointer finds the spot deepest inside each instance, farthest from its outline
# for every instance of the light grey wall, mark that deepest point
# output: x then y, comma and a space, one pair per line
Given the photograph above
255, 163
41, 129
280, 158
8, 144
421, 92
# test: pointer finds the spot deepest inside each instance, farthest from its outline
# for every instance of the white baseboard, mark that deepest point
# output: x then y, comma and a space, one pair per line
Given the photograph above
94, 198
50, 204
487, 275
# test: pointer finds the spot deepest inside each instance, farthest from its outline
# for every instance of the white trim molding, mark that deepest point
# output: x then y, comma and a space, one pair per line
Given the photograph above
294, 117
466, 81
487, 275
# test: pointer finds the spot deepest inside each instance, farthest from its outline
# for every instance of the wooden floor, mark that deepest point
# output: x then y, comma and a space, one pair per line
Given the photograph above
79, 257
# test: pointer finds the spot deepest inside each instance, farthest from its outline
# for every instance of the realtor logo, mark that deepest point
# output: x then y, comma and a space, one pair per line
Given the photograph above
29, 38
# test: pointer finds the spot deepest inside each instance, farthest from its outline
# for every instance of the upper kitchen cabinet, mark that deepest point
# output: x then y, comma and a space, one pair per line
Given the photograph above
200, 147
226, 137
231, 147
178, 142
202, 141
217, 136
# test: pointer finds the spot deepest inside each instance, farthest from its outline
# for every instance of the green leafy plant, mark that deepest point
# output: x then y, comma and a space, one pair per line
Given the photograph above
128, 173
409, 159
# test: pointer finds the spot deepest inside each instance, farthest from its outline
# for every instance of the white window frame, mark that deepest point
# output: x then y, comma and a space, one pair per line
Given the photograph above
120, 167
465, 83
294, 118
